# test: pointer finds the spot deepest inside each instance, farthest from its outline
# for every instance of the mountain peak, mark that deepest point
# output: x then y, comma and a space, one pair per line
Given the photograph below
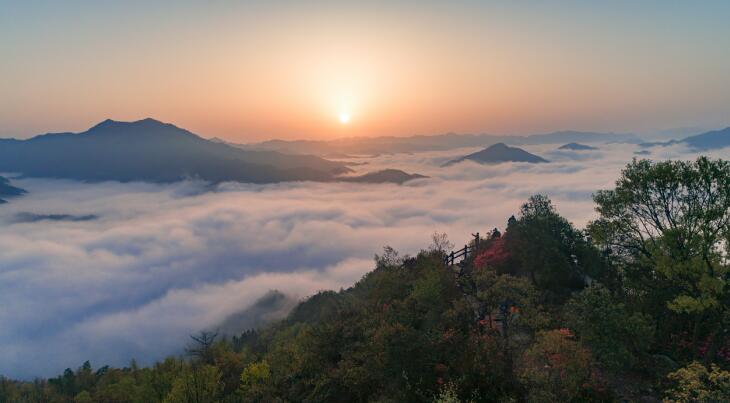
498, 153
499, 146
111, 123
104, 123
145, 128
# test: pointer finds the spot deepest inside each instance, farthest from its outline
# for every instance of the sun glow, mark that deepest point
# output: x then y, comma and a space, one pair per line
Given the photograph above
344, 118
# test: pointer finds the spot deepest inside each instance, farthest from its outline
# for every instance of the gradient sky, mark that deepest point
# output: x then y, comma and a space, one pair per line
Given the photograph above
248, 71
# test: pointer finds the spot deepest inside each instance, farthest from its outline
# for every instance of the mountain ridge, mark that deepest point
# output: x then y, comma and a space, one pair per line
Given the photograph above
420, 143
149, 150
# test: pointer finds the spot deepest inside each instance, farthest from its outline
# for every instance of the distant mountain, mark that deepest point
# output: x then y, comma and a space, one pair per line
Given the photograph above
710, 140
149, 150
574, 137
576, 147
8, 190
391, 145
674, 133
499, 153
701, 142
384, 176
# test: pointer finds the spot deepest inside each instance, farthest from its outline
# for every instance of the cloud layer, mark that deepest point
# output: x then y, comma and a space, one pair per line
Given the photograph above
160, 262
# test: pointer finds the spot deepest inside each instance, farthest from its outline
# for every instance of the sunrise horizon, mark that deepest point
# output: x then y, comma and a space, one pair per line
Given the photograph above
668, 132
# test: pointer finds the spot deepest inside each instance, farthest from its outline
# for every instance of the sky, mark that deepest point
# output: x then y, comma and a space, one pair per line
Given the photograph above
250, 71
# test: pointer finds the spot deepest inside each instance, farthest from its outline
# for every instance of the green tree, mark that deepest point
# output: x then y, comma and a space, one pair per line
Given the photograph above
197, 384
547, 249
667, 227
256, 381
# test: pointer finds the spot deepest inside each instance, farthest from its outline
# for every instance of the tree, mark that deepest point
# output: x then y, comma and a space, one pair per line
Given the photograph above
197, 384
615, 335
200, 348
493, 290
256, 381
440, 243
667, 226
549, 250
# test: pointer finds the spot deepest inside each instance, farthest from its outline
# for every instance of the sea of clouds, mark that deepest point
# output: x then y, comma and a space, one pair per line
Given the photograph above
110, 272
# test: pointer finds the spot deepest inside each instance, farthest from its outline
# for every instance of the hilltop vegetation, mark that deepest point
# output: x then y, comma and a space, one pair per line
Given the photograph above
634, 307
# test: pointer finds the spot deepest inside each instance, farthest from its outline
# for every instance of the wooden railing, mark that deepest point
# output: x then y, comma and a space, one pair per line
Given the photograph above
462, 254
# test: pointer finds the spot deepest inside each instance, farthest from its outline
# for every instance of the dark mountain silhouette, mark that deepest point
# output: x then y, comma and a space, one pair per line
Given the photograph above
576, 147
384, 176
499, 153
8, 190
149, 150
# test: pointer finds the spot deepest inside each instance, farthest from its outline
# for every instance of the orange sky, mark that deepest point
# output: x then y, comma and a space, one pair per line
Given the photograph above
288, 70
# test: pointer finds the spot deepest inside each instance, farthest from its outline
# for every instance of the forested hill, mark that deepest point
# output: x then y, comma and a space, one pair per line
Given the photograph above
633, 308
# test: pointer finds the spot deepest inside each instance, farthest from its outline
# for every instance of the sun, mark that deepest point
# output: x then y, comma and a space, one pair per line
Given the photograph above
344, 118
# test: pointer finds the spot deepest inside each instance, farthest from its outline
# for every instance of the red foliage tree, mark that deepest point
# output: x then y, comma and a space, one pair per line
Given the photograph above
493, 255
